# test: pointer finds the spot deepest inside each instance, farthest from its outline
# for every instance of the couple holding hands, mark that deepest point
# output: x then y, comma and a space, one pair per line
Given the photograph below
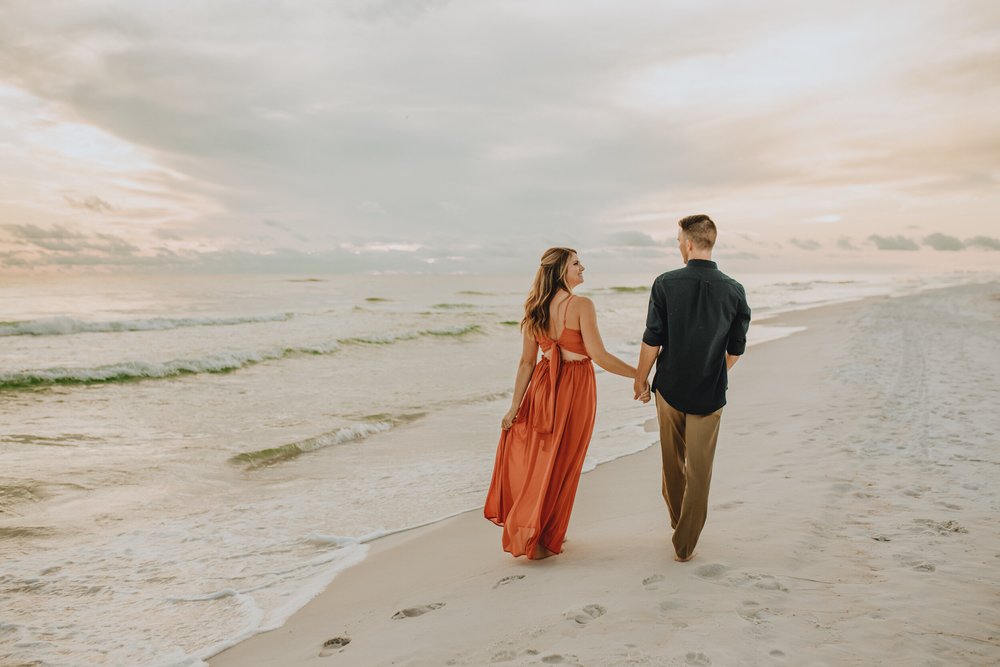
695, 331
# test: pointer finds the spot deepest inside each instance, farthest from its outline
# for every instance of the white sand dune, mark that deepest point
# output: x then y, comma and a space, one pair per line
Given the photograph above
853, 521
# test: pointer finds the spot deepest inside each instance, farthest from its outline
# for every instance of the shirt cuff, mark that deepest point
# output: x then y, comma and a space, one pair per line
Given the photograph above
736, 347
651, 339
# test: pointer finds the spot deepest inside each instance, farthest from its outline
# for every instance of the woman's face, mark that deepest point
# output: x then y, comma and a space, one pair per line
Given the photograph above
574, 271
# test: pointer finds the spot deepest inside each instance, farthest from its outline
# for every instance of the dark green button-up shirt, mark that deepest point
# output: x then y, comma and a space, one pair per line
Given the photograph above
696, 315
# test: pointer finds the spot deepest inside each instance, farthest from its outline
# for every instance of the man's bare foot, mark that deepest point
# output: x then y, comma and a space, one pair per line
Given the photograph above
684, 560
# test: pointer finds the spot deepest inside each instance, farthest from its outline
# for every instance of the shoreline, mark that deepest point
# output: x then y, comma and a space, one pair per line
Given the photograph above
355, 586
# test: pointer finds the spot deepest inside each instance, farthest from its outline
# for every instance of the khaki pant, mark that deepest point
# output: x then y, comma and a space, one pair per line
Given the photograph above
687, 443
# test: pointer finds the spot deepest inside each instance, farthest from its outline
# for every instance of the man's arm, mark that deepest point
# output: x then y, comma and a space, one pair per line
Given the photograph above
647, 355
653, 338
736, 344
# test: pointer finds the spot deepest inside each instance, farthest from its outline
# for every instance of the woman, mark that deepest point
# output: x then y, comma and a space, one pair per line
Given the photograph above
547, 429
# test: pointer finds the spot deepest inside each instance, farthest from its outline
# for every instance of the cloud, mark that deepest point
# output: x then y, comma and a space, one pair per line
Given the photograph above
369, 206
398, 11
805, 244
523, 151
167, 235
31, 233
893, 242
65, 241
93, 203
845, 243
735, 256
986, 242
633, 239
285, 228
940, 241
823, 219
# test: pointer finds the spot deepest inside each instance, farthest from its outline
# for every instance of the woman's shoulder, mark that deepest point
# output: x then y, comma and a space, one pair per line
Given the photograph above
580, 306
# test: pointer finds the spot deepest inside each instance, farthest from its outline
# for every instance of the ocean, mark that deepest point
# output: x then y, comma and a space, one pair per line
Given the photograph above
187, 460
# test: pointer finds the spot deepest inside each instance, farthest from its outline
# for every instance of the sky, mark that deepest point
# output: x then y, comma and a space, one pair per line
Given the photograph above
446, 136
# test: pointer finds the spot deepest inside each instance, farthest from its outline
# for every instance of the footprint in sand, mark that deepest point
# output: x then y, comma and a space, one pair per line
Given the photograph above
585, 615
924, 567
410, 612
940, 527
672, 604
651, 583
508, 580
504, 656
556, 659
731, 505
769, 583
755, 616
711, 571
777, 653
697, 659
335, 645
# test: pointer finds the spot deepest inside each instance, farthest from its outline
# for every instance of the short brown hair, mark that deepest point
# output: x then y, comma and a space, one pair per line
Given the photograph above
700, 229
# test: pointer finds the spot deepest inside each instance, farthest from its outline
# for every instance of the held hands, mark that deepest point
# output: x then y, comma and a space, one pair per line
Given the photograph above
508, 419
641, 387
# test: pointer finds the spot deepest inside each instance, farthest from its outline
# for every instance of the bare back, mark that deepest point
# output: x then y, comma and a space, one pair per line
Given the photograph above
564, 312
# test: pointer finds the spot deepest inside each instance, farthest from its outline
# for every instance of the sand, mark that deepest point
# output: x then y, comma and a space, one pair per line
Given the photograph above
853, 521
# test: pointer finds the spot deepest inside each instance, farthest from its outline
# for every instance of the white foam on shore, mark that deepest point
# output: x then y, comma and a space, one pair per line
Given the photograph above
350, 552
138, 370
63, 326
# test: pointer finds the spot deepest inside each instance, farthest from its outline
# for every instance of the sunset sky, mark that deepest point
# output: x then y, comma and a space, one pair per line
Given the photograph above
428, 135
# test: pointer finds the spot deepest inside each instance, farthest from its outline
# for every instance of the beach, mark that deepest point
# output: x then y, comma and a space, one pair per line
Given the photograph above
852, 522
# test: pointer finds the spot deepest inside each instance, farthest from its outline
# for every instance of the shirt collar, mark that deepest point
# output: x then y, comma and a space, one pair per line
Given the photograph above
702, 264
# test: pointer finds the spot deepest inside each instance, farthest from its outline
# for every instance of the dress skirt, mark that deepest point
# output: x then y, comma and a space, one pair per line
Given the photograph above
540, 458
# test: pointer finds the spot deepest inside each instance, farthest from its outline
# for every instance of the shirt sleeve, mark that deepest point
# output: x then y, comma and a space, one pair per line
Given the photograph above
655, 334
737, 343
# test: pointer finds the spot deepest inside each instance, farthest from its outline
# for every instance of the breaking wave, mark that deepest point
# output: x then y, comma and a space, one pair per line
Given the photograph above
340, 436
62, 326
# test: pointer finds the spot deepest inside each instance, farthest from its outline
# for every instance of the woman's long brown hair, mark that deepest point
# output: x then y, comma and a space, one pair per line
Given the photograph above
549, 279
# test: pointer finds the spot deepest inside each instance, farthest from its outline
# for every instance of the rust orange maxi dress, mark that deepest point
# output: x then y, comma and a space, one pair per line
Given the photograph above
539, 459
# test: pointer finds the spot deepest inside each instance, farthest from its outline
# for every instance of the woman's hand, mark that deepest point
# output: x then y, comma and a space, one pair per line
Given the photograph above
641, 388
509, 419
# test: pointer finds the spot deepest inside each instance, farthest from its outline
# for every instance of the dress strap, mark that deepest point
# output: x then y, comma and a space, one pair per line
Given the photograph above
566, 309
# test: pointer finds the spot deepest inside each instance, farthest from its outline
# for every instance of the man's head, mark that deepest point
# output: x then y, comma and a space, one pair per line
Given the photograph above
696, 237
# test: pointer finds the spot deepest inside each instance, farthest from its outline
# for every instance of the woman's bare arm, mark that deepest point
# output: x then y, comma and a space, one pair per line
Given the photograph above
525, 367
595, 344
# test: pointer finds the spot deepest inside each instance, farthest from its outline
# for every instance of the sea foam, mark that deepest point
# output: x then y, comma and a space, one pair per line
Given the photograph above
62, 326
141, 370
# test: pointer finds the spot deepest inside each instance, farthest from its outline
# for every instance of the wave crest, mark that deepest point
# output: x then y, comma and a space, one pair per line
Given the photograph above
340, 436
143, 370
225, 362
63, 326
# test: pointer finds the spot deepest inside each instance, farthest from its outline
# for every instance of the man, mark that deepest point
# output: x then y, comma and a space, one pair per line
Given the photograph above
696, 329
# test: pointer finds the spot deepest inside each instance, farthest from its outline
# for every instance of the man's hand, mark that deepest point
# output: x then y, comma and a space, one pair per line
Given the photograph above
641, 388
647, 355
731, 360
